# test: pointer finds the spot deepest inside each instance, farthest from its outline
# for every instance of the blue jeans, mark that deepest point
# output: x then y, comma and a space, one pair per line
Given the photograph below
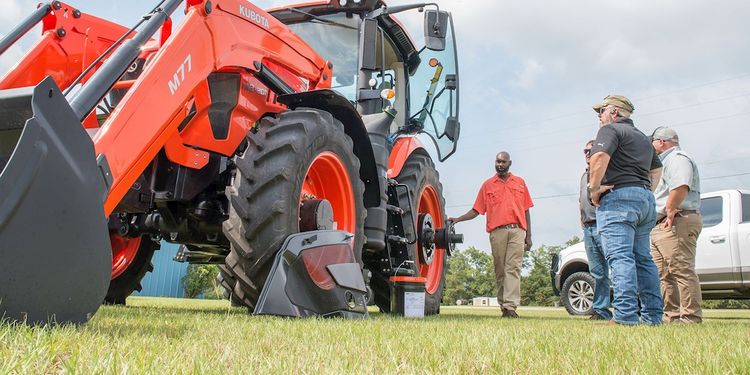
625, 219
599, 270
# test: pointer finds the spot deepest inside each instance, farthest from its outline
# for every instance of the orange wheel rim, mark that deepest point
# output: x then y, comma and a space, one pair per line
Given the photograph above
327, 178
429, 203
123, 253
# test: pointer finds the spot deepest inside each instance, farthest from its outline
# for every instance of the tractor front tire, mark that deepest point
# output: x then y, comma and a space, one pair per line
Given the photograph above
129, 280
271, 176
426, 196
227, 281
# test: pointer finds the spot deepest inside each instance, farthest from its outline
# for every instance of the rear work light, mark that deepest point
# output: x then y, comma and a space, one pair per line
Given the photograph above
317, 259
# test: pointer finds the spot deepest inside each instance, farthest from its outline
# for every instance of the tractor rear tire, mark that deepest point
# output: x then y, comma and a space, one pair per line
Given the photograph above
426, 193
129, 280
266, 191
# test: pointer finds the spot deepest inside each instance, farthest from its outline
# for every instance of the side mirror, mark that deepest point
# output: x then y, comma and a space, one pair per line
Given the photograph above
452, 128
435, 29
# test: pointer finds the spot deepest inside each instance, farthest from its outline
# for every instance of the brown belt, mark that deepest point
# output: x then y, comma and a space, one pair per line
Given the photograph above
508, 226
681, 213
688, 212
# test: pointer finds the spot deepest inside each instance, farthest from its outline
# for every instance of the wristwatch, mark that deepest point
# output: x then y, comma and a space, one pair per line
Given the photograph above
591, 189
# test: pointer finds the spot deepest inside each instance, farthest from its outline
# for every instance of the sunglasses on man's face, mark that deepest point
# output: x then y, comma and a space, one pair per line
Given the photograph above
587, 151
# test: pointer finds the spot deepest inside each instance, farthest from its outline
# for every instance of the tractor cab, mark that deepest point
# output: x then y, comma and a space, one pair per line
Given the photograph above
378, 66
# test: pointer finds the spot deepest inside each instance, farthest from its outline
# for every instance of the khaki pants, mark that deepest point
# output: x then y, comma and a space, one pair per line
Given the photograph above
507, 252
673, 250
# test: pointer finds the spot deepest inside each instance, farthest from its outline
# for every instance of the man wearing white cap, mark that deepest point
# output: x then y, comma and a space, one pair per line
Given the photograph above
673, 239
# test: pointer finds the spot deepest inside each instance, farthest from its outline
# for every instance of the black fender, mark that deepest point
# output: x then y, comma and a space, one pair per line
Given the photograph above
343, 110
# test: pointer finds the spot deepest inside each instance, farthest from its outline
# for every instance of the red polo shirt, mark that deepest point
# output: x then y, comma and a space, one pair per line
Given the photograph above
504, 202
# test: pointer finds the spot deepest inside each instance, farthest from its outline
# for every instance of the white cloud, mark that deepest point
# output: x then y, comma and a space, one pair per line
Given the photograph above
530, 72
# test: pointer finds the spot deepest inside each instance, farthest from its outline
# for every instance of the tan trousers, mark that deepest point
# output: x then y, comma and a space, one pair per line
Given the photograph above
673, 250
507, 252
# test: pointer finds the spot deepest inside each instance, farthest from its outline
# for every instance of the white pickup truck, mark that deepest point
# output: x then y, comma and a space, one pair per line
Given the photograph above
722, 259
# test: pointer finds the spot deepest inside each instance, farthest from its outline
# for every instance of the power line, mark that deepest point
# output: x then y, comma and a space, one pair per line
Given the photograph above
579, 113
725, 176
724, 160
696, 86
641, 115
674, 125
541, 197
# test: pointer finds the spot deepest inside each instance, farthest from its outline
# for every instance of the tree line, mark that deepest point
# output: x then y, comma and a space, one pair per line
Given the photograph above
471, 273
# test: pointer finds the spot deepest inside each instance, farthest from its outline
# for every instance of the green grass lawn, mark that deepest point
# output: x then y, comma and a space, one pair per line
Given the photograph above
154, 335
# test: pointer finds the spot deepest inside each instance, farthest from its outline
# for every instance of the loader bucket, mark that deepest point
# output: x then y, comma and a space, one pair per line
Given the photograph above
55, 256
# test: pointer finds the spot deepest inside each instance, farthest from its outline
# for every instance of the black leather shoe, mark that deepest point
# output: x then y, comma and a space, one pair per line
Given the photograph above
509, 314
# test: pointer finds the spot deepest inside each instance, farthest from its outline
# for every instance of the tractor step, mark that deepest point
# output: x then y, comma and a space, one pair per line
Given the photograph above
398, 240
394, 209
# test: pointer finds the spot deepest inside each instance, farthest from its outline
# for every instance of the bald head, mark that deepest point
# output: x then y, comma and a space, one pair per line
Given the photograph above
502, 164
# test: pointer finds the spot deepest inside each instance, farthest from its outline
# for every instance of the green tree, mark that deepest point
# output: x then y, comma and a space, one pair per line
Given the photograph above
470, 274
201, 279
536, 287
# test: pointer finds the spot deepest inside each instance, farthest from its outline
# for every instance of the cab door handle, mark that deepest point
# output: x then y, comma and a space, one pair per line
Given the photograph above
718, 239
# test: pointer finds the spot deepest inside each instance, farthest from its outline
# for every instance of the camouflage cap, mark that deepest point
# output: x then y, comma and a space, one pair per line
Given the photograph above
665, 134
617, 101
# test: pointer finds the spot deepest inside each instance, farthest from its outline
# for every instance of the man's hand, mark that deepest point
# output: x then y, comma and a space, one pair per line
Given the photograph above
527, 242
675, 198
671, 213
596, 194
467, 216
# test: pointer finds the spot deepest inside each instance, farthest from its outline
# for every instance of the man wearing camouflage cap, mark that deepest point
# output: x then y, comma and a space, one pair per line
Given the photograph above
624, 169
678, 224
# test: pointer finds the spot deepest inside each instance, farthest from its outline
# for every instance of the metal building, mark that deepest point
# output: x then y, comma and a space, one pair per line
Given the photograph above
166, 279
485, 301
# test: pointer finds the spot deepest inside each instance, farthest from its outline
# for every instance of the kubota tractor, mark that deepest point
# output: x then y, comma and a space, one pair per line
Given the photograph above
281, 145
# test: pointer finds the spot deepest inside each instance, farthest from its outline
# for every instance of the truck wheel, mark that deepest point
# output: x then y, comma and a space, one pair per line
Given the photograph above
298, 155
131, 260
426, 193
578, 294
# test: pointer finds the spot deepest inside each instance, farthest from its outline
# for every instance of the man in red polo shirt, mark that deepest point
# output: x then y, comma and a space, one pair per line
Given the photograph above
506, 201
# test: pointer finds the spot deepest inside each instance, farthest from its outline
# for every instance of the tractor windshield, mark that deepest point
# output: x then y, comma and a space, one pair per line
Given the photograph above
433, 95
338, 43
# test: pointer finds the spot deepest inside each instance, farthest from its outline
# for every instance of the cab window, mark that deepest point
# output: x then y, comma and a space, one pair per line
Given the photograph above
712, 211
390, 75
337, 42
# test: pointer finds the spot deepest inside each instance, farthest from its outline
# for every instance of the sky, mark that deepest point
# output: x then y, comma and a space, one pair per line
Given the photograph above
530, 70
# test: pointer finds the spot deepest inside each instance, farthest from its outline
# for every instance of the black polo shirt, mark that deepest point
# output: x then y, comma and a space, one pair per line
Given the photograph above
631, 153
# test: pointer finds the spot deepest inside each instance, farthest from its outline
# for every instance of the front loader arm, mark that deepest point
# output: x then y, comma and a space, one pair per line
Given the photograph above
229, 38
71, 41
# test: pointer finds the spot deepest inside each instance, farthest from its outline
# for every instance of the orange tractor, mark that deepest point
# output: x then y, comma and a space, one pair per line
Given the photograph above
280, 145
